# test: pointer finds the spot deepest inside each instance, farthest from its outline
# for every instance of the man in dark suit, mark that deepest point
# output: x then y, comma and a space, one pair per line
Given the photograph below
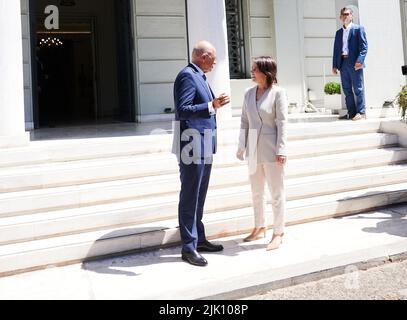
349, 55
194, 145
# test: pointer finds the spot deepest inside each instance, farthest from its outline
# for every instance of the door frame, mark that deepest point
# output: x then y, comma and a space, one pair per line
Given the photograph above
126, 50
130, 59
34, 79
403, 12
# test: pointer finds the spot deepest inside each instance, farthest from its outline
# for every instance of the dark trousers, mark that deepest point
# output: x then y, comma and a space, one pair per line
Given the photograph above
194, 186
353, 86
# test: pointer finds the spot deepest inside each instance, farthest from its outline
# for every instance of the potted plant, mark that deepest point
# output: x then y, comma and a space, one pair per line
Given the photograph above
402, 103
333, 97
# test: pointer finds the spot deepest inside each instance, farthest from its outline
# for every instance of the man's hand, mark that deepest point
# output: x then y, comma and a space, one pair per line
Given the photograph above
358, 66
335, 71
221, 101
281, 160
240, 154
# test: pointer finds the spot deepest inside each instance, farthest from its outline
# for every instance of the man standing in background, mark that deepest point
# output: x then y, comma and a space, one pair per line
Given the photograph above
349, 55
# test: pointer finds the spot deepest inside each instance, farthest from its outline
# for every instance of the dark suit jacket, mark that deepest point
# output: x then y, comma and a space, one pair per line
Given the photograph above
357, 44
191, 97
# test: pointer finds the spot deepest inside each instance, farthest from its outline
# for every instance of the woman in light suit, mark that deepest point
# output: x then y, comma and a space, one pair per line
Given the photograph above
263, 138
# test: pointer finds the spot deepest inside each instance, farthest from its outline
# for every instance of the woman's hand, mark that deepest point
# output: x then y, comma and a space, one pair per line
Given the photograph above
240, 154
282, 160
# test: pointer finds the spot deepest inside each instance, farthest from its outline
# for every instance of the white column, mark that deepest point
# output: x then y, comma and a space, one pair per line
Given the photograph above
12, 127
290, 48
207, 21
383, 78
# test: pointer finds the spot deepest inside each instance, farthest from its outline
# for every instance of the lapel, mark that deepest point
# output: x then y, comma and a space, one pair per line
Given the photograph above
256, 110
203, 83
351, 31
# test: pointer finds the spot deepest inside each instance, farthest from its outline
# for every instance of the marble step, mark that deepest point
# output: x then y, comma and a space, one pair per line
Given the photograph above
63, 250
76, 196
299, 117
59, 174
160, 141
81, 195
162, 207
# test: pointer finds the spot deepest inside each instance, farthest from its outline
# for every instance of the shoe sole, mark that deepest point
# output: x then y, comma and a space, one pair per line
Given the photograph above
203, 250
194, 264
250, 240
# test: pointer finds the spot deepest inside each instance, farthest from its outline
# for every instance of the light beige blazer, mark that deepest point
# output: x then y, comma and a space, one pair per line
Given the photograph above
263, 130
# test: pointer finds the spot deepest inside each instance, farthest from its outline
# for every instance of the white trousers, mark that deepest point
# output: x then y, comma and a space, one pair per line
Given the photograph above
273, 173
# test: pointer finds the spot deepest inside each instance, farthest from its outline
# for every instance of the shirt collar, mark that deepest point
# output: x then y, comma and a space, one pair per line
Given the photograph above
199, 69
349, 27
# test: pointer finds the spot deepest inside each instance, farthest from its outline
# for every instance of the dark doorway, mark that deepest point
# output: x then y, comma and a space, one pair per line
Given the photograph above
66, 78
84, 69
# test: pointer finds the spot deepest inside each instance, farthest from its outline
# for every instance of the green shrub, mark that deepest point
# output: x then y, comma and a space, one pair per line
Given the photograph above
402, 102
332, 88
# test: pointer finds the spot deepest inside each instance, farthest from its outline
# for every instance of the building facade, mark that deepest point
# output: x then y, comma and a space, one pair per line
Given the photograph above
116, 60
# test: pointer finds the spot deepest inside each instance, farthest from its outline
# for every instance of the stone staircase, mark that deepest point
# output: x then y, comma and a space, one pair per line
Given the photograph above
65, 202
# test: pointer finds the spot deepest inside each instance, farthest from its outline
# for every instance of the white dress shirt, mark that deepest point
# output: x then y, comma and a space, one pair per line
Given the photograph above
345, 47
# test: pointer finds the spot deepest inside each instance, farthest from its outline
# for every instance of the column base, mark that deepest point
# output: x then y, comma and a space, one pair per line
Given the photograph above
397, 127
15, 141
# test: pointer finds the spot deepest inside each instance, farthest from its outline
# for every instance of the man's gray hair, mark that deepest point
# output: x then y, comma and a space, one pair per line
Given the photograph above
200, 51
202, 47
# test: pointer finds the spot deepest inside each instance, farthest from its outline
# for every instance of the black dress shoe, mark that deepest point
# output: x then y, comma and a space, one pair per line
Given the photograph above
345, 117
194, 258
206, 246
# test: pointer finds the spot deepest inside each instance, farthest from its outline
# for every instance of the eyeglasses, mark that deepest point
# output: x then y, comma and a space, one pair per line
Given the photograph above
345, 14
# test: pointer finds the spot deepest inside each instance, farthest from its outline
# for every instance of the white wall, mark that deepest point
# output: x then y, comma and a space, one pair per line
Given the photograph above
11, 70
319, 25
383, 78
260, 29
161, 52
289, 48
12, 131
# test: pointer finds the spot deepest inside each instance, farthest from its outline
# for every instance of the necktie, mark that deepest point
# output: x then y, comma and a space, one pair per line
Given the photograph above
209, 87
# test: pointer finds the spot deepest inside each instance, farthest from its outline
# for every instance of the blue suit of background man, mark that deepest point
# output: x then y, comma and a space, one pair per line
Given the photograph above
351, 78
195, 139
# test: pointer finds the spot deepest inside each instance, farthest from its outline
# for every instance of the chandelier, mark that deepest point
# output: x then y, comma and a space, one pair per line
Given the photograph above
51, 42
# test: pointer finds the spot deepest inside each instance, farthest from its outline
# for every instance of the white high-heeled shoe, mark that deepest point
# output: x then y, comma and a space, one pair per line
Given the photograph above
275, 242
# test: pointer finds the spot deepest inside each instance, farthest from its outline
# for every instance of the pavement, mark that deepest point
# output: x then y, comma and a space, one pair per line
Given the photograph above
384, 282
310, 252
